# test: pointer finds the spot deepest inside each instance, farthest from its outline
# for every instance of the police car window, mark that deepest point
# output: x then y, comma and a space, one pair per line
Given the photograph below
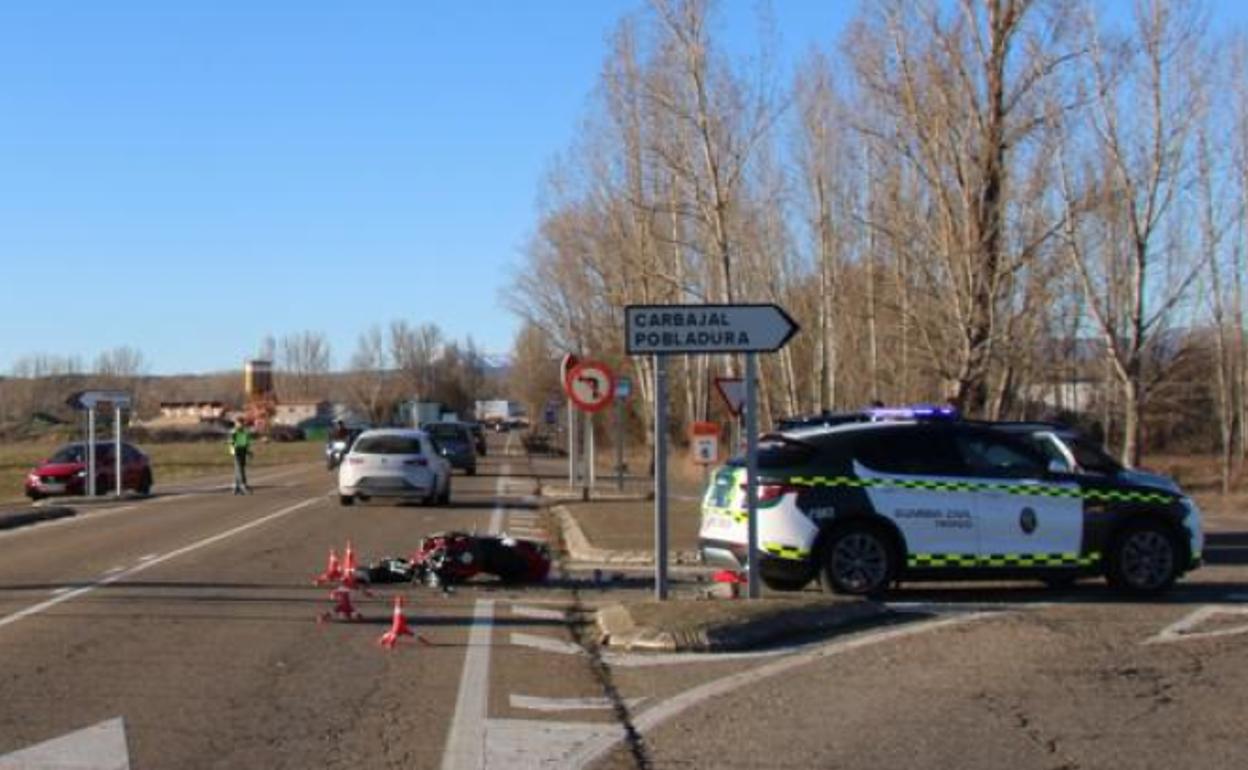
911, 451
992, 456
1091, 457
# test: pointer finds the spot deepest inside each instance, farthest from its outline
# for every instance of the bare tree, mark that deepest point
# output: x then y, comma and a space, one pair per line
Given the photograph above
304, 359
120, 362
1121, 216
369, 381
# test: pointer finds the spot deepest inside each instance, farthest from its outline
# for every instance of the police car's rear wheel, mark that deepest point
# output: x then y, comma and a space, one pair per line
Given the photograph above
1144, 560
858, 560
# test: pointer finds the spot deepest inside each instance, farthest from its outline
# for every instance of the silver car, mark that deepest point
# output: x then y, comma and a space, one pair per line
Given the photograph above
396, 463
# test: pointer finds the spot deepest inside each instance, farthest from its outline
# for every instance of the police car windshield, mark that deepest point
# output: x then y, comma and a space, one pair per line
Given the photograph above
1091, 457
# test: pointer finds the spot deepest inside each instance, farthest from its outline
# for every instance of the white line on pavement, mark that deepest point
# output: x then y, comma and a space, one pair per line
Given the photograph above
500, 510
656, 715
465, 745
541, 613
147, 557
546, 644
113, 578
534, 703
1184, 628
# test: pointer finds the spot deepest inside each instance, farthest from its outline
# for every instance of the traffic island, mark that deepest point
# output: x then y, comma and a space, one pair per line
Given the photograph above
701, 625
622, 533
26, 517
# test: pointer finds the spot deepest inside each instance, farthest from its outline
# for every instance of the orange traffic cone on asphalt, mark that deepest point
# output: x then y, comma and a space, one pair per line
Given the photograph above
348, 558
342, 606
333, 570
348, 576
398, 628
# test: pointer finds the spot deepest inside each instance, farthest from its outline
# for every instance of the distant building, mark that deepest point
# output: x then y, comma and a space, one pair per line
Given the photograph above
296, 413
191, 412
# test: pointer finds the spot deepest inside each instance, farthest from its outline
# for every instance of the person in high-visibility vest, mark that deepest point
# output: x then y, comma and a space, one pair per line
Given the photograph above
240, 448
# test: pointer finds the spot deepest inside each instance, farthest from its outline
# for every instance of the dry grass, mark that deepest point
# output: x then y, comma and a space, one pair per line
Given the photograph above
173, 461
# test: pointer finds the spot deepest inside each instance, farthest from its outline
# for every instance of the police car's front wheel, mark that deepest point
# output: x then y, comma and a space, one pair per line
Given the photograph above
858, 560
1144, 559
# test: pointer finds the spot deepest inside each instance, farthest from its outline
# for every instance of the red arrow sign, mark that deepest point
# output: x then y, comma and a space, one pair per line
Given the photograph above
591, 386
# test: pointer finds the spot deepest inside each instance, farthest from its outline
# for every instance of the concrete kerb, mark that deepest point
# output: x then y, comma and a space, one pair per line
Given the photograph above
758, 623
15, 519
580, 549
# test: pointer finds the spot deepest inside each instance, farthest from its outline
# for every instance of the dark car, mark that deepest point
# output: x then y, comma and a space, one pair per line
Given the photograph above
455, 442
65, 472
478, 437
864, 505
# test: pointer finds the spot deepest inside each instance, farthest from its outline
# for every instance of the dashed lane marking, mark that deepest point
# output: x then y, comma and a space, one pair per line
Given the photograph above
113, 578
546, 644
539, 613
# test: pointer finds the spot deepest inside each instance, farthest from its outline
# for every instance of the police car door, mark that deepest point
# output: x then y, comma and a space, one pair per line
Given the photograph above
1026, 519
911, 475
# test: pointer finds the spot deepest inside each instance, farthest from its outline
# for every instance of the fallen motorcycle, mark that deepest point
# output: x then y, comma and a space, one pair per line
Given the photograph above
446, 558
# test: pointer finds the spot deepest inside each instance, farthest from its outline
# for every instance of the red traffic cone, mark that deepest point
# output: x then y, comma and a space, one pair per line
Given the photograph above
397, 628
333, 570
348, 559
342, 606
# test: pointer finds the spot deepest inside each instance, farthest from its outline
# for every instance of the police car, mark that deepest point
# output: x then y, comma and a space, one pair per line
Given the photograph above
907, 494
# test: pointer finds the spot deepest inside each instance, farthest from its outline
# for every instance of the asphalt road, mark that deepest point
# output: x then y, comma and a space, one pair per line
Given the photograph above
181, 632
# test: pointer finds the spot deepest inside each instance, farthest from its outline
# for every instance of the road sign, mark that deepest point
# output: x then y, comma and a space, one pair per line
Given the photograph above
732, 391
659, 329
591, 386
623, 387
566, 365
705, 443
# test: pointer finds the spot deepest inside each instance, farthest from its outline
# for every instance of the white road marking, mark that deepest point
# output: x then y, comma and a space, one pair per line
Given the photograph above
541, 613
1183, 629
655, 716
546, 644
507, 444
465, 745
61, 590
534, 703
500, 510
147, 557
114, 570
524, 744
113, 578
99, 747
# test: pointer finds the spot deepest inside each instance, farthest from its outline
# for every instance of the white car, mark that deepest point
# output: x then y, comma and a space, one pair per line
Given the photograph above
397, 463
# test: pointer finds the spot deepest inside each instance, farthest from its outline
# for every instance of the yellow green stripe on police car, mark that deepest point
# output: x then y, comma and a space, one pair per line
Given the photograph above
926, 560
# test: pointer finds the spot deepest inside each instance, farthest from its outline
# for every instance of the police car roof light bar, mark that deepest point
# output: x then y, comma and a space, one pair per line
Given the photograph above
915, 412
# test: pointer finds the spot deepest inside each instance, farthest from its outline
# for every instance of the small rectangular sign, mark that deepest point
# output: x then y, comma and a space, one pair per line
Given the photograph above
623, 387
666, 329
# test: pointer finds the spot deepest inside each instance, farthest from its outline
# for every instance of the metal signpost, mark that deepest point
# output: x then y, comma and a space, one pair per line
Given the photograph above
569, 361
663, 330
591, 387
89, 400
623, 389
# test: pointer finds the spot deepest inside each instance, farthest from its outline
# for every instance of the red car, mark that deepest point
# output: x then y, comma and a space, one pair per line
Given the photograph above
65, 472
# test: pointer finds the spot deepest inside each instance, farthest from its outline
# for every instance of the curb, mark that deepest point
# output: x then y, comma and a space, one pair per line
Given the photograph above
618, 629
580, 549
552, 492
15, 519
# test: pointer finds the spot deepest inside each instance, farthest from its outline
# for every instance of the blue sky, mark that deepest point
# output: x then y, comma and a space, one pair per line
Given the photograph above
185, 177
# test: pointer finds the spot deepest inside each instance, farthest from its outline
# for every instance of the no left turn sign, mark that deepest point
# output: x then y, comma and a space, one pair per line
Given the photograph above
591, 386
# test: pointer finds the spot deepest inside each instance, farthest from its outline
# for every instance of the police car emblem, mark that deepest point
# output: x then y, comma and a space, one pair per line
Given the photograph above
1027, 521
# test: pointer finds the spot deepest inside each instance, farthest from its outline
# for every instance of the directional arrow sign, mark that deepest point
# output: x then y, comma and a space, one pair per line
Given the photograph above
659, 329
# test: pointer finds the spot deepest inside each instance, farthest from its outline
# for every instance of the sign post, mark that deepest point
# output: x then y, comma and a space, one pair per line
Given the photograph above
662, 330
591, 387
623, 389
89, 400
660, 477
751, 479
569, 361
